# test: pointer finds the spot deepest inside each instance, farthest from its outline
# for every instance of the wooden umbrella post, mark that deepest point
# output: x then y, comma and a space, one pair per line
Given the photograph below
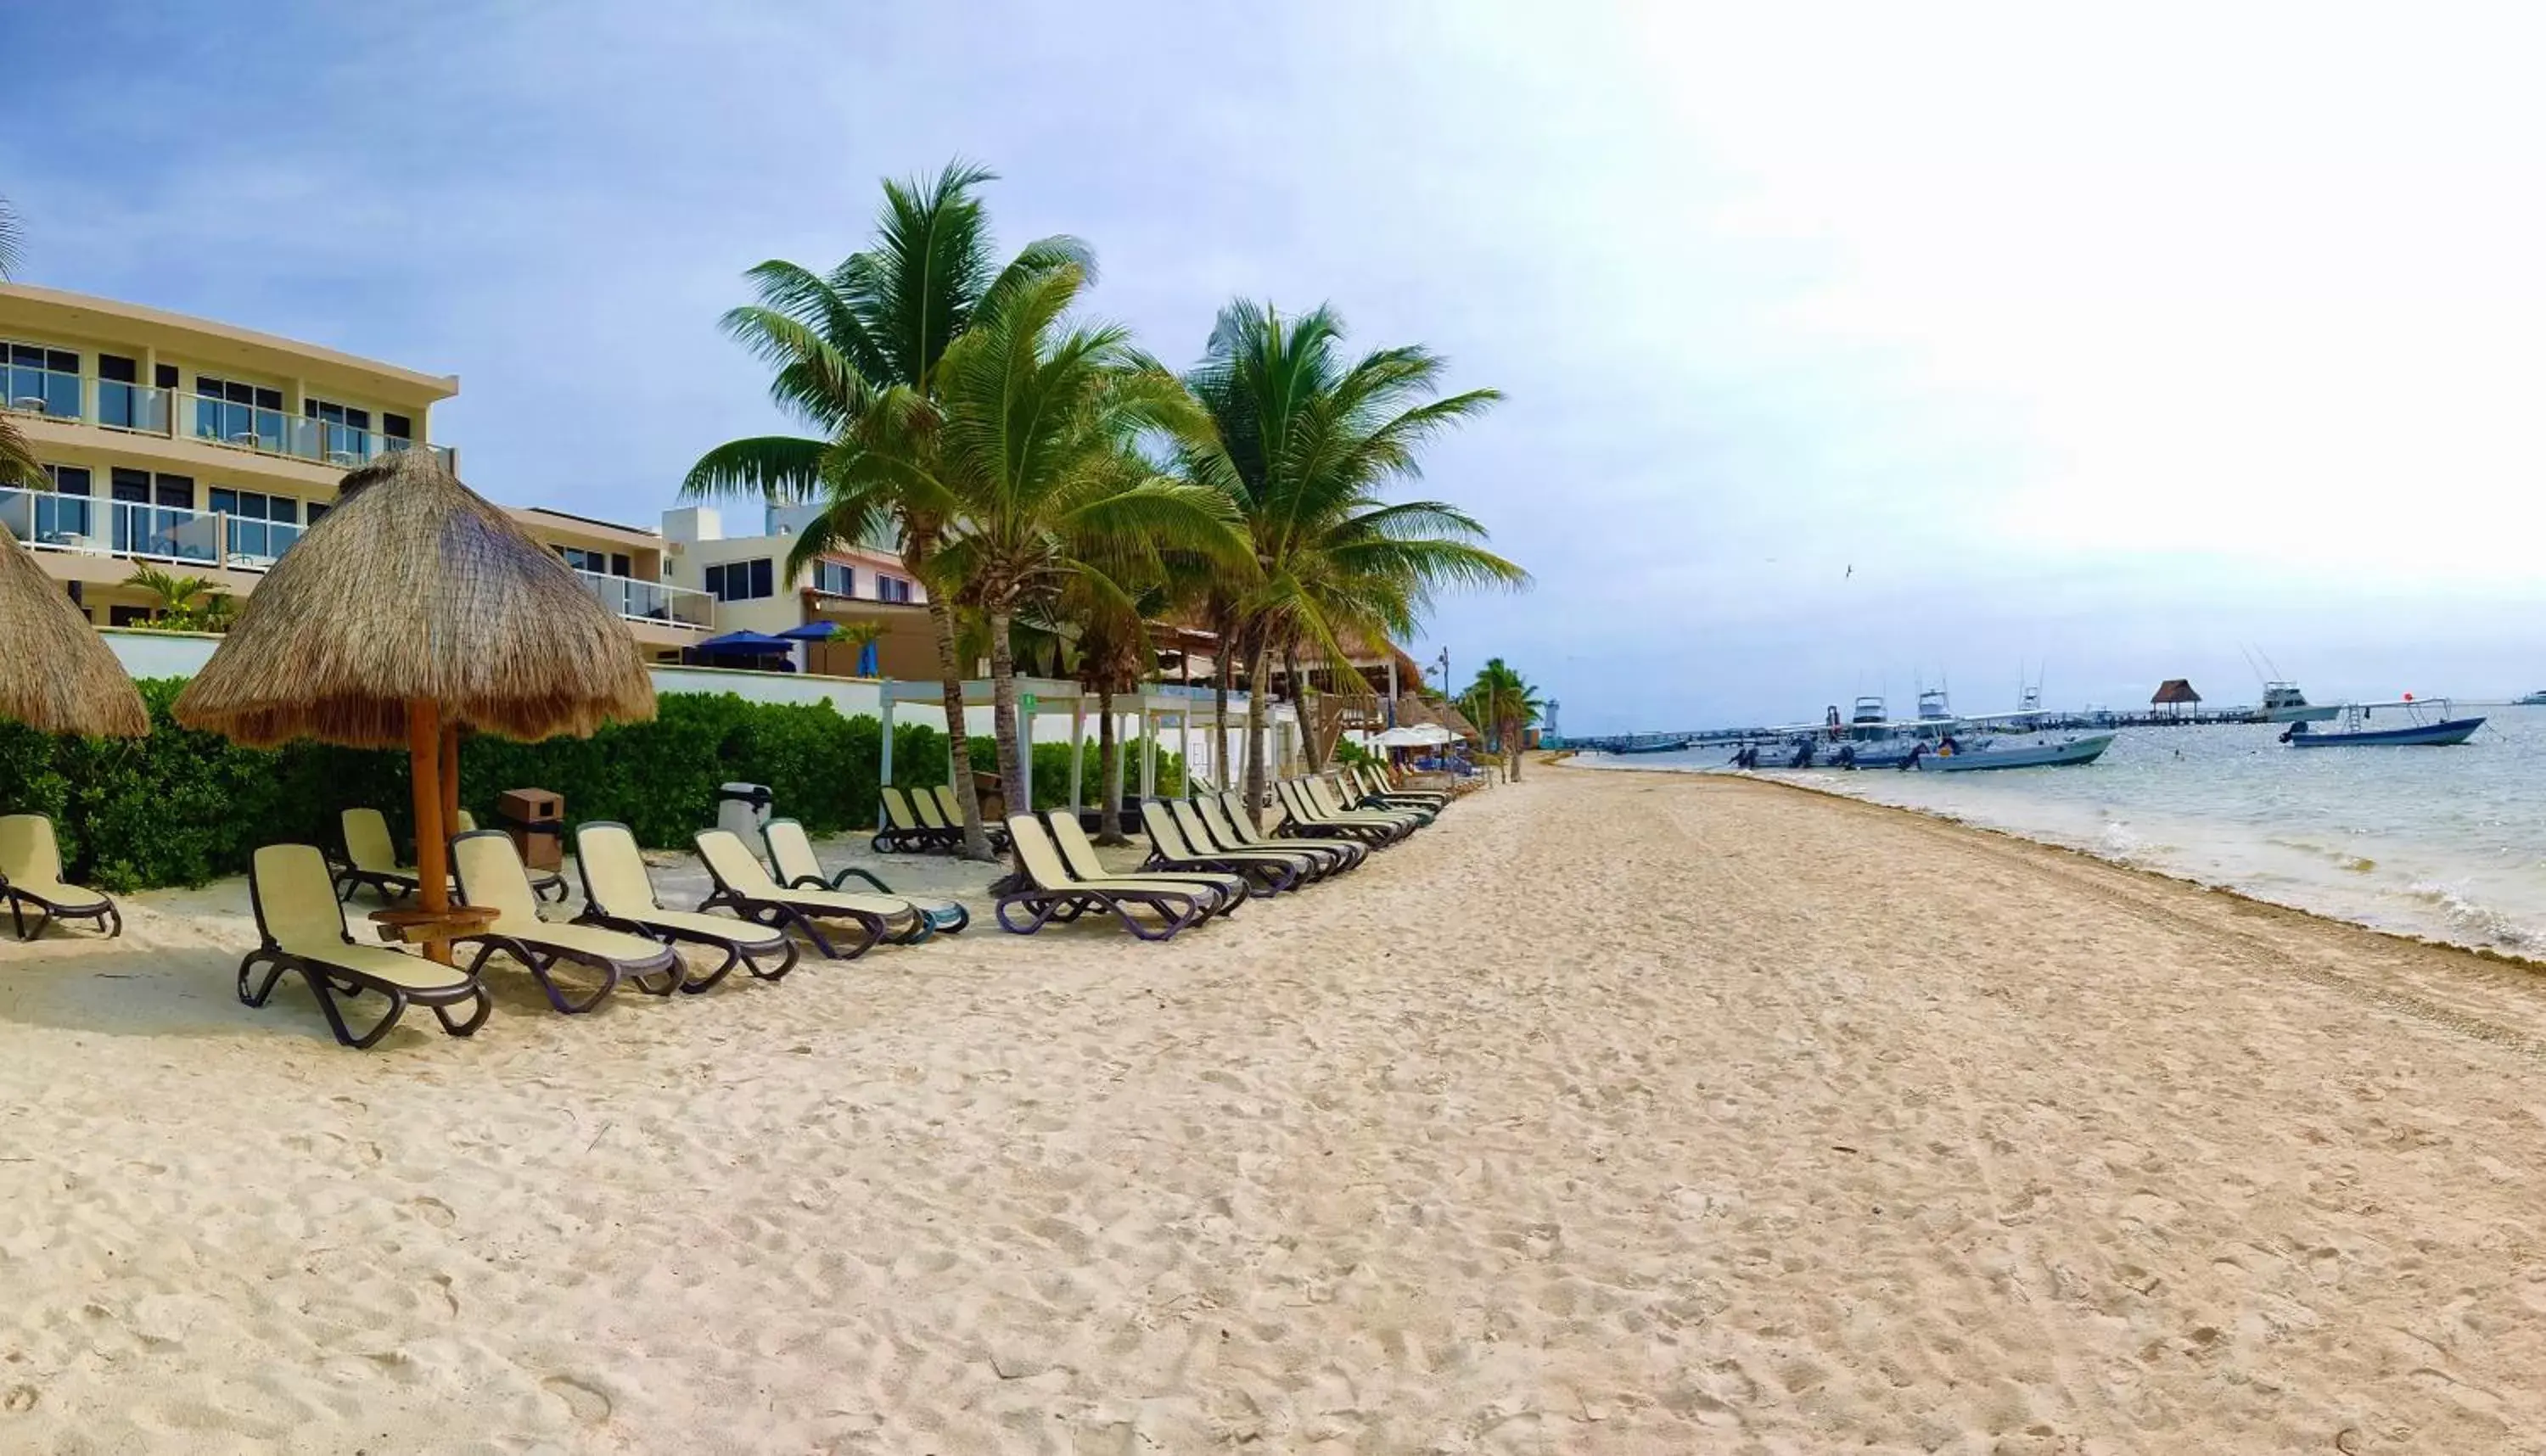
449, 780
432, 834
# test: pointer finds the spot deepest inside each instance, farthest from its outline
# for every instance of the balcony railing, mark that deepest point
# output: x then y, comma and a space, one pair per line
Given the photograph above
141, 410
651, 601
142, 532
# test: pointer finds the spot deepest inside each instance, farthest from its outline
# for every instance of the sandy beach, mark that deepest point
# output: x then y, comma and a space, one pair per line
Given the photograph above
1614, 1113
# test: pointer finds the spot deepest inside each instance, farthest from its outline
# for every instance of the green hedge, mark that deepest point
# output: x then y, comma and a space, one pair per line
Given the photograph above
181, 807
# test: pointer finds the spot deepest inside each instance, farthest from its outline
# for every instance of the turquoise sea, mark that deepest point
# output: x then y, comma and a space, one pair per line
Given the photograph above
2446, 843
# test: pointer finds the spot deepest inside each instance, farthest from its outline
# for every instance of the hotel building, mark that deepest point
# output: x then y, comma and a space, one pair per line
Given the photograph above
205, 450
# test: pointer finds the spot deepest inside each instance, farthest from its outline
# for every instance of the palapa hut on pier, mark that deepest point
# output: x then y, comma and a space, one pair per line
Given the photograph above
55, 672
413, 610
2175, 695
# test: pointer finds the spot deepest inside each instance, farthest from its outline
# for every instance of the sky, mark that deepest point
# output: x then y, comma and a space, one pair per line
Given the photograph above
1846, 348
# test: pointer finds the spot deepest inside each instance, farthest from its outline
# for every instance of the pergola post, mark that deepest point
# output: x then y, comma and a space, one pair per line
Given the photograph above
883, 763
1148, 753
1025, 755
1077, 748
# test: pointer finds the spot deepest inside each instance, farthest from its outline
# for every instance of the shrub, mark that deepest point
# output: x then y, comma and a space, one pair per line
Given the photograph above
181, 807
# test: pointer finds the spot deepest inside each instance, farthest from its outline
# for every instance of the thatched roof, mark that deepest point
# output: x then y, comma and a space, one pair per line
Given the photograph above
55, 672
1456, 720
413, 586
2174, 690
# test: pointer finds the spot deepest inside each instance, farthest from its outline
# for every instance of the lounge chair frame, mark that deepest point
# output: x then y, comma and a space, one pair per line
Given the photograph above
328, 981
903, 831
1065, 898
100, 910
542, 959
801, 915
815, 881
1267, 874
1347, 853
739, 953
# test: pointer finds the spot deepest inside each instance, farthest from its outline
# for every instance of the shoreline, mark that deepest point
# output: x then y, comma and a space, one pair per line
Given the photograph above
2535, 964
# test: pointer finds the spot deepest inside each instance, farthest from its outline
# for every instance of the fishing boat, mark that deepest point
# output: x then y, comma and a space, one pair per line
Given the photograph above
2536, 699
2284, 703
1868, 719
1653, 745
2040, 750
2427, 723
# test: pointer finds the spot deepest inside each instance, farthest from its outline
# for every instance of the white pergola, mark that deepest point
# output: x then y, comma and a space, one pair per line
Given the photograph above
1158, 706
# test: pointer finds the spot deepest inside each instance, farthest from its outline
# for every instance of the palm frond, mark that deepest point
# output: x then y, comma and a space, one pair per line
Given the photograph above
764, 466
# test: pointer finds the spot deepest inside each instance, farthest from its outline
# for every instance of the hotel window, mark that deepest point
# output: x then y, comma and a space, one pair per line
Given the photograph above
120, 400
398, 430
64, 518
892, 589
741, 581
253, 518
40, 381
835, 578
236, 413
344, 432
585, 560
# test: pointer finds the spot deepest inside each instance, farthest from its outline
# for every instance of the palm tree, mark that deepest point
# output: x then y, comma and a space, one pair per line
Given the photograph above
843, 343
856, 636
1035, 441
176, 596
18, 465
1505, 704
1306, 441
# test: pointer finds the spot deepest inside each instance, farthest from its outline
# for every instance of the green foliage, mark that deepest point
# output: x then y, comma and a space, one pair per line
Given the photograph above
1353, 755
1051, 770
181, 807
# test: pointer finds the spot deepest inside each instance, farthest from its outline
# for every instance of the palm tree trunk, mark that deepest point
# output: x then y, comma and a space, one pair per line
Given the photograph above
1305, 702
1003, 714
1259, 707
1219, 673
1109, 757
1513, 732
941, 616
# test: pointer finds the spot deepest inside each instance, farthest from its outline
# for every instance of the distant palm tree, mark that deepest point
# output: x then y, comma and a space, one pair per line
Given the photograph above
1504, 705
1035, 440
843, 343
856, 636
172, 593
1305, 442
17, 466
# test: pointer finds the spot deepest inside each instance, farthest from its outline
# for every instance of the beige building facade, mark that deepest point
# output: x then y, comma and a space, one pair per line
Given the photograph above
205, 449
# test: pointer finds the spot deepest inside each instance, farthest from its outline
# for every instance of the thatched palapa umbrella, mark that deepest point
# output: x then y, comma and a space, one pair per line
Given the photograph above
412, 610
55, 672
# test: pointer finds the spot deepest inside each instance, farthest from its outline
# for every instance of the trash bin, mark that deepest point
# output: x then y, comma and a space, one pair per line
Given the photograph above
535, 820
745, 810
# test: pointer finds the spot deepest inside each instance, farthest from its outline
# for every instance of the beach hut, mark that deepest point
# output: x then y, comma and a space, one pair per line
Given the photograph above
2175, 695
55, 672
413, 610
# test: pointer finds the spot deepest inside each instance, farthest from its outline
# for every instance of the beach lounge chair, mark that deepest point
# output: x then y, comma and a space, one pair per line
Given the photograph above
1232, 825
1308, 864
793, 861
618, 894
904, 832
1078, 852
31, 880
1328, 802
743, 886
951, 814
1268, 874
1374, 786
792, 864
491, 877
542, 881
1305, 820
1058, 894
300, 924
371, 858
1350, 791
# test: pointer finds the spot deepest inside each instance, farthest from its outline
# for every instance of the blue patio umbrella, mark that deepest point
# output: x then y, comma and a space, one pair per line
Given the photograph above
747, 645
812, 632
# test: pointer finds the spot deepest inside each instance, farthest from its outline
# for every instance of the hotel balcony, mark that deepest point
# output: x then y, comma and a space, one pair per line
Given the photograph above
140, 410
84, 537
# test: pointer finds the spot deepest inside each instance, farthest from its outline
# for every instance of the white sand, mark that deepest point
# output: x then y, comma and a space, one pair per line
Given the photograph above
1615, 1113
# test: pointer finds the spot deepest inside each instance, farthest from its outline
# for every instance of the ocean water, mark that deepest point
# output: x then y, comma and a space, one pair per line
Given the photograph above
2444, 844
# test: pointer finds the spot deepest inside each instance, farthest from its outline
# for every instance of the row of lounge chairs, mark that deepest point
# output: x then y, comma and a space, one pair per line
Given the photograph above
623, 934
1207, 855
929, 820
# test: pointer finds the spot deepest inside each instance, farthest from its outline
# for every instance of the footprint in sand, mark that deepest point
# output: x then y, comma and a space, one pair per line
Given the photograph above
20, 1400
434, 1211
589, 1406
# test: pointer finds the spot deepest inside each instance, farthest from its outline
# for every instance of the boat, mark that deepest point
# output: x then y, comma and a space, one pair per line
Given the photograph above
2029, 751
2427, 723
1657, 745
1868, 720
2536, 699
2284, 703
